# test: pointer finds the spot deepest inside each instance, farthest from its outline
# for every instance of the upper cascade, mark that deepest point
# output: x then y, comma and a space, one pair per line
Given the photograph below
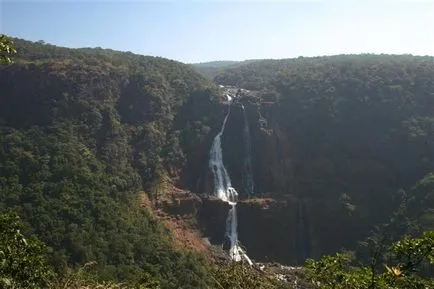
222, 182
223, 187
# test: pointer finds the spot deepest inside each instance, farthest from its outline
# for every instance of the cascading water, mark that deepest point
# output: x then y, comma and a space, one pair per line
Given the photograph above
224, 191
247, 179
222, 182
231, 227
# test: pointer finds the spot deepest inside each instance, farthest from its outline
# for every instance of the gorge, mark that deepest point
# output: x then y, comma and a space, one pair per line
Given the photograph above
222, 184
110, 157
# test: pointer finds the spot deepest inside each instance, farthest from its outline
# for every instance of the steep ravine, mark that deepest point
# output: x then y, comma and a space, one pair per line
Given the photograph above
279, 223
282, 230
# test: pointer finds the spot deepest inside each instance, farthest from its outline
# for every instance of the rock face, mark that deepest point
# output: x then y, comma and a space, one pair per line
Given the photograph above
211, 217
272, 154
279, 223
270, 230
286, 231
177, 211
272, 150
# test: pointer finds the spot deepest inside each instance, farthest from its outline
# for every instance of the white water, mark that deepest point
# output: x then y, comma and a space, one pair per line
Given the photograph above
224, 191
232, 228
222, 182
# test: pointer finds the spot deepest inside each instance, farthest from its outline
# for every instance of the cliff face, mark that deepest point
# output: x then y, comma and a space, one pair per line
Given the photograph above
285, 231
271, 156
270, 230
290, 216
272, 152
270, 227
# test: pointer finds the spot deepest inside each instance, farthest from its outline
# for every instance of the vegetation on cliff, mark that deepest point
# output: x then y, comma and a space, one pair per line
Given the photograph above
23, 264
83, 132
406, 260
213, 68
398, 256
348, 135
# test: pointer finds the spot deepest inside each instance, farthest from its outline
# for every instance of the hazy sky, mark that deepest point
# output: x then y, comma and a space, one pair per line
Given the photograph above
197, 31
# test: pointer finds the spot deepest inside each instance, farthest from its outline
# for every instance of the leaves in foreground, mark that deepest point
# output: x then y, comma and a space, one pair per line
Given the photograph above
23, 262
6, 49
408, 261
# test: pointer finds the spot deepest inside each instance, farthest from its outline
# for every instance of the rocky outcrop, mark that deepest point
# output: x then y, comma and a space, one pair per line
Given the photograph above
267, 228
177, 210
282, 230
279, 222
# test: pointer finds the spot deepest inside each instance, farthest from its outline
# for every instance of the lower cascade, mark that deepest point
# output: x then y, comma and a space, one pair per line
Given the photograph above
224, 191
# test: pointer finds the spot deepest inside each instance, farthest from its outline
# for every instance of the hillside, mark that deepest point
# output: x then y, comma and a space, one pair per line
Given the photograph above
344, 139
212, 68
83, 132
216, 64
105, 156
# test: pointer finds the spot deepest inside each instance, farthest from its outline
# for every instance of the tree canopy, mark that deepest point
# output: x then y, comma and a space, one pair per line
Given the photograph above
6, 49
349, 134
86, 132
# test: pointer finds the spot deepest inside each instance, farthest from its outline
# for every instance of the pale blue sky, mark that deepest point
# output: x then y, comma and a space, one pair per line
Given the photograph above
197, 31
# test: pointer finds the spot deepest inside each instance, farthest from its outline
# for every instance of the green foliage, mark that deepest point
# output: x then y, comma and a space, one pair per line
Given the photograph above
82, 278
423, 204
357, 126
90, 128
148, 282
406, 258
86, 131
242, 276
6, 49
336, 272
213, 68
180, 270
411, 252
84, 208
23, 260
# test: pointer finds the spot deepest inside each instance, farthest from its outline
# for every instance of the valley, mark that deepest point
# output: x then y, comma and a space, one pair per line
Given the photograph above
149, 168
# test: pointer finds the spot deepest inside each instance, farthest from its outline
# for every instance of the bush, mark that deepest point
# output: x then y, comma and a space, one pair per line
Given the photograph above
23, 262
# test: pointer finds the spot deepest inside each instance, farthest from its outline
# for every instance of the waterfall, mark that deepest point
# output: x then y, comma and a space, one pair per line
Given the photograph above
247, 179
224, 191
232, 230
222, 182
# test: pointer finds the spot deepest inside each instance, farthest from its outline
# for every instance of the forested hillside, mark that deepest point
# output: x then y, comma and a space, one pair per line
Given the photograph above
83, 133
351, 136
339, 145
213, 68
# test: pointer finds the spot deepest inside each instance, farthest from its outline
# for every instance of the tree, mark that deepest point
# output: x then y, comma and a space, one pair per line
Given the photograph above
242, 276
6, 49
403, 271
23, 262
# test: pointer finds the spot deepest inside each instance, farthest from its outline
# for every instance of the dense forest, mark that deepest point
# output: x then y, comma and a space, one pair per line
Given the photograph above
87, 134
360, 128
84, 133
213, 68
